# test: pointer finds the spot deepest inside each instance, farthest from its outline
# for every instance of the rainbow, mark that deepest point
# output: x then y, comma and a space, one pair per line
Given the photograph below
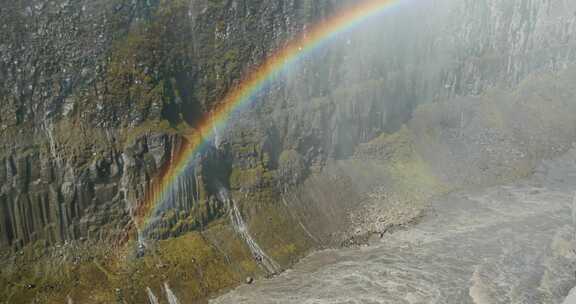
244, 93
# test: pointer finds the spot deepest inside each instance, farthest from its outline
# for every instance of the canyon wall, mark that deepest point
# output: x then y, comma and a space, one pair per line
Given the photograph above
95, 97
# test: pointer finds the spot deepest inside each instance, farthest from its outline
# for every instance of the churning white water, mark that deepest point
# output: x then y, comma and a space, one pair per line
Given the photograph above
504, 244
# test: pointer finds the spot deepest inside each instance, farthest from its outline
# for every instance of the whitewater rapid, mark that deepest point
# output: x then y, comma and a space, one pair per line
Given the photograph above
503, 244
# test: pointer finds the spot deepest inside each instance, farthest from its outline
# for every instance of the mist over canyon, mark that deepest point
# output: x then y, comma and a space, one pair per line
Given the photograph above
440, 132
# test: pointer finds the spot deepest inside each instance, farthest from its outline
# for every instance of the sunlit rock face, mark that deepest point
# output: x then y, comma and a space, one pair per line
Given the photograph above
95, 97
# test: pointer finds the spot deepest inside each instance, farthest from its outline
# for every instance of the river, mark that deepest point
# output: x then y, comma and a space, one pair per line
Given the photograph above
501, 244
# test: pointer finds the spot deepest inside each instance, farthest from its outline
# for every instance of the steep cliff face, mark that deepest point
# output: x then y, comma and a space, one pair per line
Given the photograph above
95, 97
91, 90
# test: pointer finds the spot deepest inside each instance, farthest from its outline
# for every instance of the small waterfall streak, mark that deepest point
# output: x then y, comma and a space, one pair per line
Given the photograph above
172, 299
69, 300
240, 227
52, 143
574, 218
180, 196
152, 299
217, 140
300, 222
574, 210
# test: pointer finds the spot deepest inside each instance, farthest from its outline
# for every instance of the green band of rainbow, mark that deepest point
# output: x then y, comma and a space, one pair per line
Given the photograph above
243, 94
